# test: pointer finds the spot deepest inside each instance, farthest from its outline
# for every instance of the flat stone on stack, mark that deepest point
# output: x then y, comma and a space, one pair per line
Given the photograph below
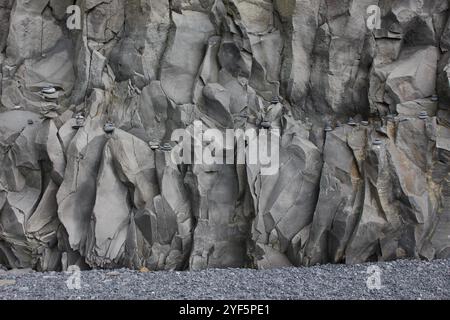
377, 142
48, 90
275, 100
79, 121
154, 145
328, 127
166, 147
423, 115
266, 125
109, 127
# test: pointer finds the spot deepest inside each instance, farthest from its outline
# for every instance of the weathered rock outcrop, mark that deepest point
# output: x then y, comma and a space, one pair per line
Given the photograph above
87, 171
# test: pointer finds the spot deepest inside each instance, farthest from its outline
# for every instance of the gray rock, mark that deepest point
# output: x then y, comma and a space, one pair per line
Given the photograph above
186, 44
412, 78
76, 196
170, 218
365, 191
284, 203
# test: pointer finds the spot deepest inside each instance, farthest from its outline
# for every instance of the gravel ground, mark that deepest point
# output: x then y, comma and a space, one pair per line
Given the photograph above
399, 280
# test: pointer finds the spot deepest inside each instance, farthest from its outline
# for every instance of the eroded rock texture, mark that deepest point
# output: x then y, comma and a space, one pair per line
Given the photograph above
376, 188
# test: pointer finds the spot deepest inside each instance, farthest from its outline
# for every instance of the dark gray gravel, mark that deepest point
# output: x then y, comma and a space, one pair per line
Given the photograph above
400, 280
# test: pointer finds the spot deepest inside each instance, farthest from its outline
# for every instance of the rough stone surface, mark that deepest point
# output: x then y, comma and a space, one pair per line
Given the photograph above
73, 194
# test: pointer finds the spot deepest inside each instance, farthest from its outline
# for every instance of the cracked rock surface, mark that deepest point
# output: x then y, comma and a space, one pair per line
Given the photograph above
81, 182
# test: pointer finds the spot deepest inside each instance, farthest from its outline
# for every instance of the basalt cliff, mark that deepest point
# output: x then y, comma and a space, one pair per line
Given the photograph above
87, 114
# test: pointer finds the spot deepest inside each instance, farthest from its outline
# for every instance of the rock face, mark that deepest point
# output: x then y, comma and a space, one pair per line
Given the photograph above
87, 174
